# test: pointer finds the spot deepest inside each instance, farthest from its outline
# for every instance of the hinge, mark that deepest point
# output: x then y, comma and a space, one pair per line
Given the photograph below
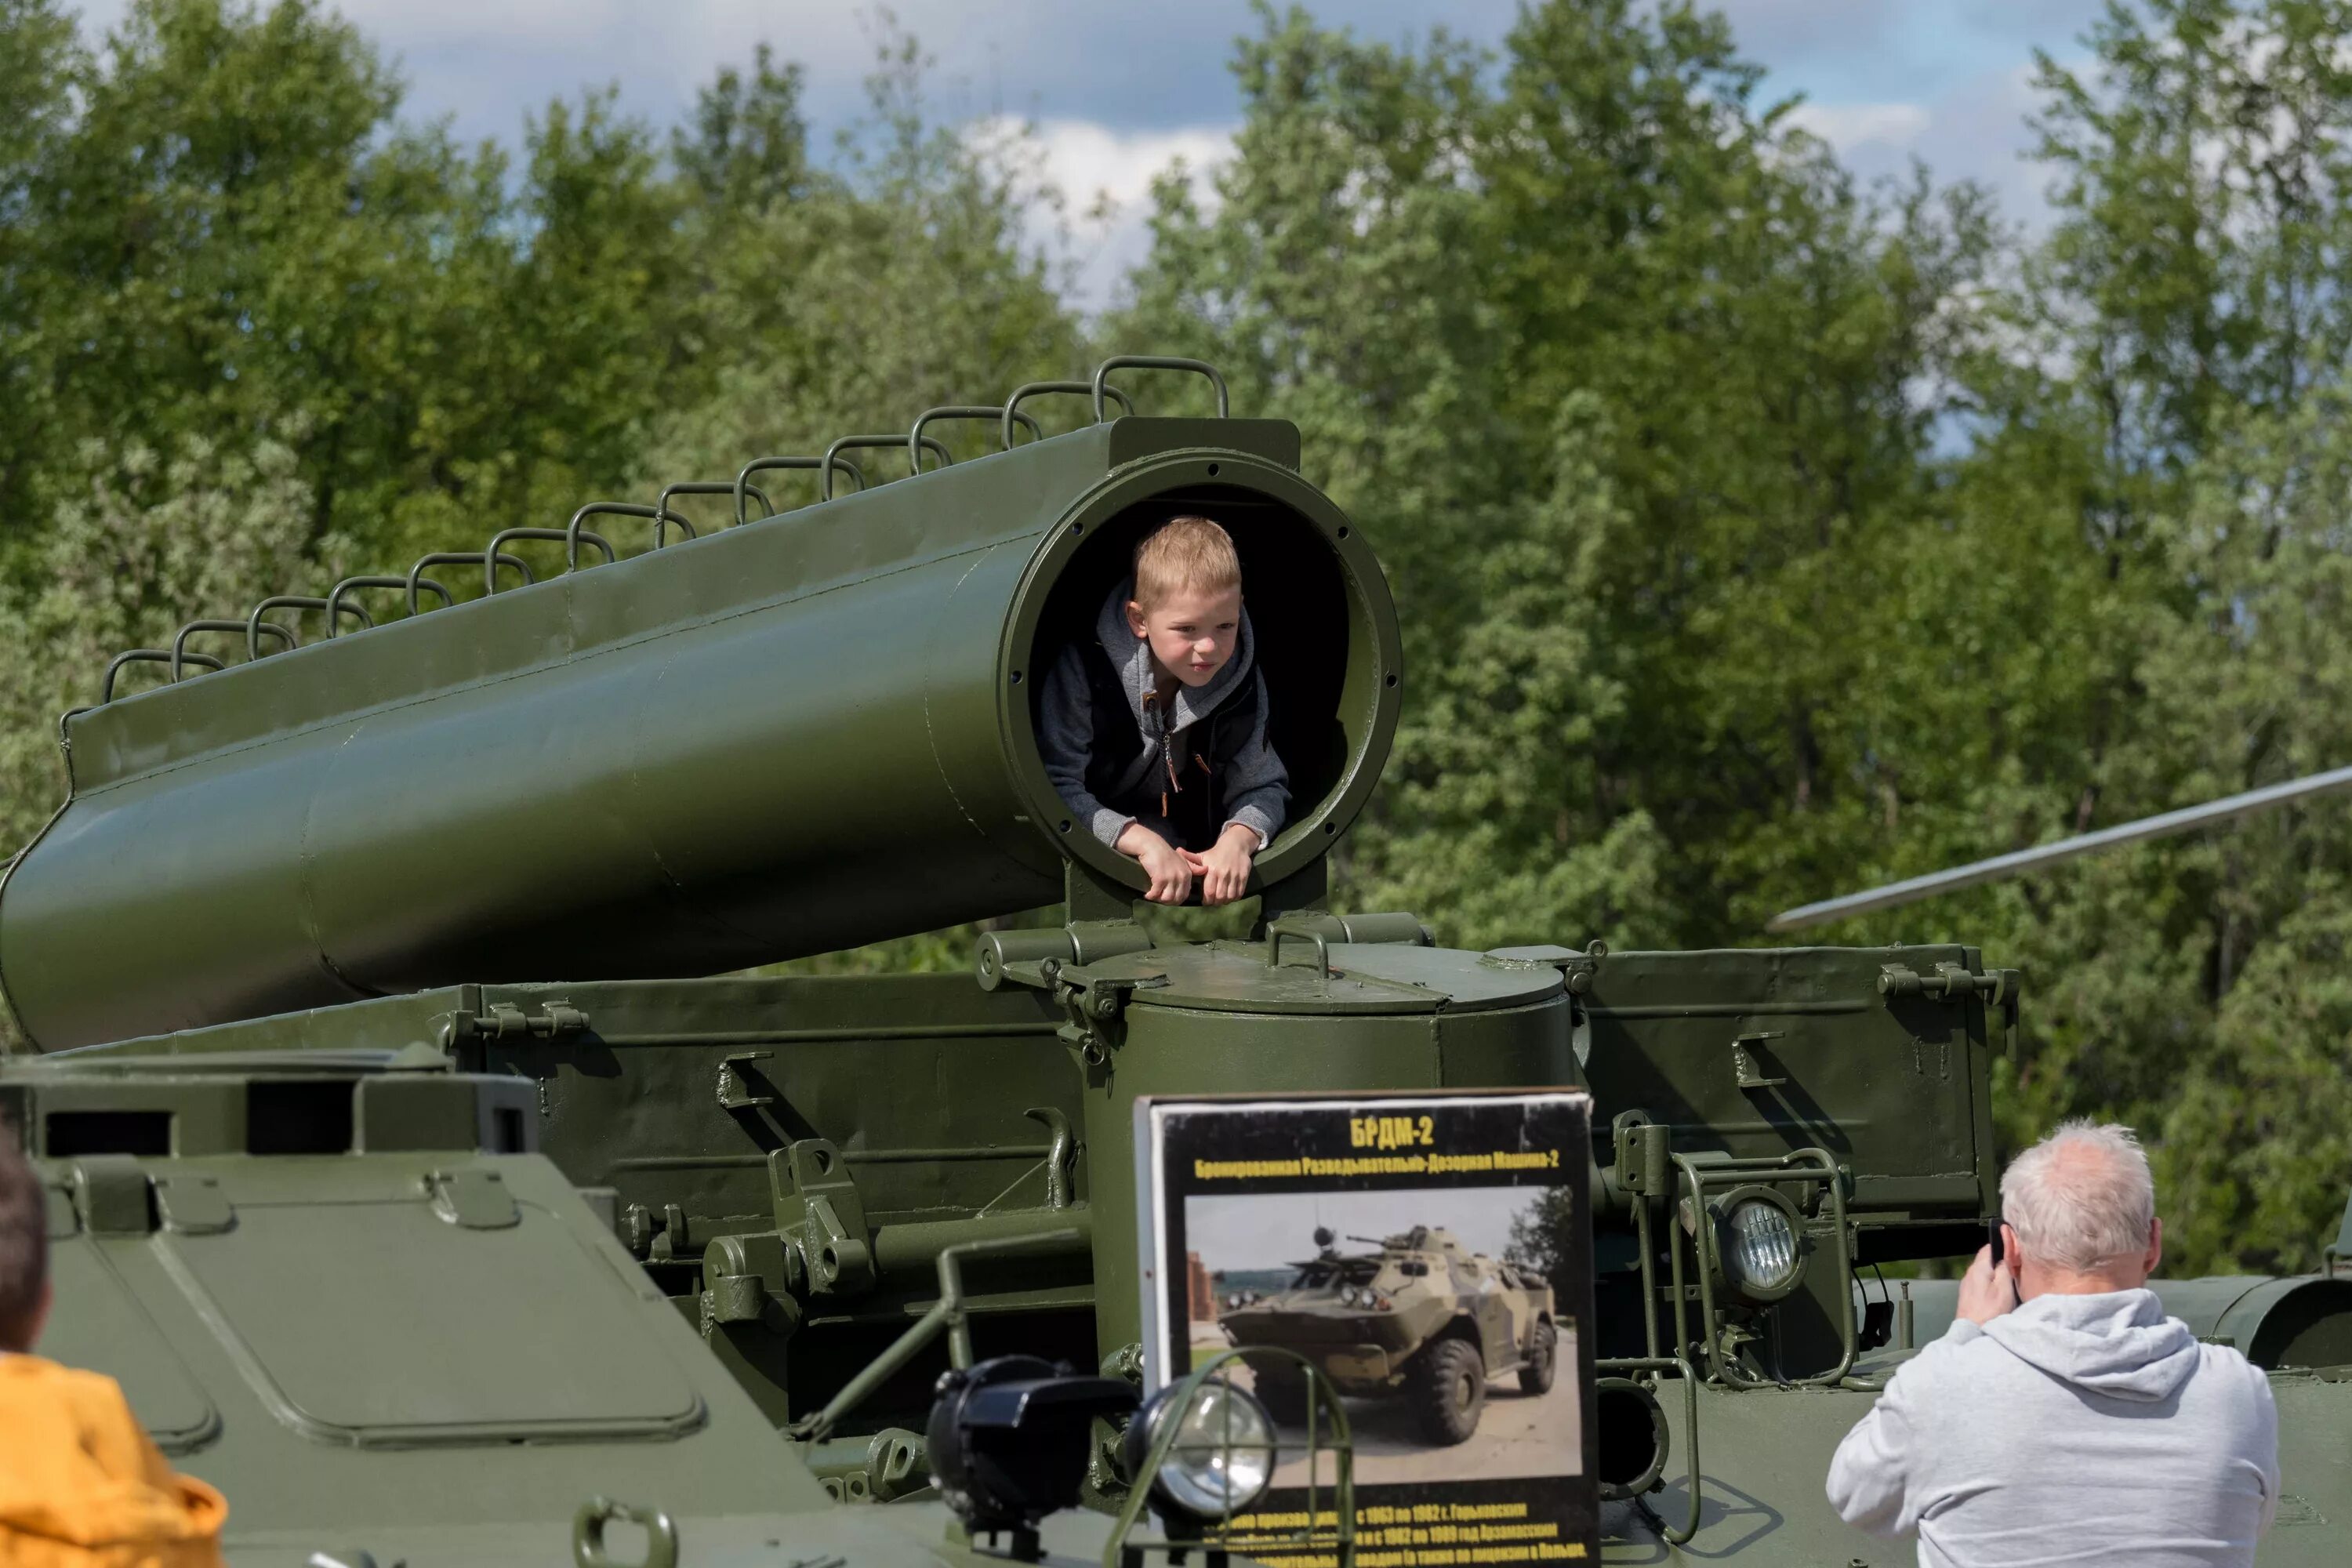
1642, 1149
473, 1197
1949, 982
1952, 982
1096, 1008
737, 1078
506, 1021
819, 1208
1743, 1060
191, 1205
113, 1196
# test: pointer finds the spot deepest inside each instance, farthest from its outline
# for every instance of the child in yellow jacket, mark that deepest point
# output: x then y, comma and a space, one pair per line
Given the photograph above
81, 1485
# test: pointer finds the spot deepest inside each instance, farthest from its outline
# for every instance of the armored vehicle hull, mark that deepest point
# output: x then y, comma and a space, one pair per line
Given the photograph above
207, 1183
421, 1199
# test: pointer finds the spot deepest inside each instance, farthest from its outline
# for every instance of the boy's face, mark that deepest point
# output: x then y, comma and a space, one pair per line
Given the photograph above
1192, 633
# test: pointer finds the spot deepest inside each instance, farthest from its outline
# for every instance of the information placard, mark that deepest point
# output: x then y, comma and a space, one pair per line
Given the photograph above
1432, 1254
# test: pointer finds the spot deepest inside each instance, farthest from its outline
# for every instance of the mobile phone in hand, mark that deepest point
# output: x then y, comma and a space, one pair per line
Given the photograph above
1992, 1235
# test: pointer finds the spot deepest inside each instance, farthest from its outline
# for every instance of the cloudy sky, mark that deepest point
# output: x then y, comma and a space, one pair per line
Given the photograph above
1117, 89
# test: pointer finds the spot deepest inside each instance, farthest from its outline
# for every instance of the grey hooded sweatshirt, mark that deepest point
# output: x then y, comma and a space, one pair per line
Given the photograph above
1256, 786
2075, 1429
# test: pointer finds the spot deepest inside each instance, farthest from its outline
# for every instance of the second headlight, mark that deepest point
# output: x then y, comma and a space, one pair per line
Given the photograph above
1761, 1246
1222, 1458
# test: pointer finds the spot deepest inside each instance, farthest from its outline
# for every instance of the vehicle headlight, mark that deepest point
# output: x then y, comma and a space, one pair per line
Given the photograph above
1009, 1440
1346, 1295
1759, 1247
1221, 1460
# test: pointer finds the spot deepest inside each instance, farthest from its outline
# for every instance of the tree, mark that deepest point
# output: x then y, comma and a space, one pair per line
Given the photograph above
2165, 417
1634, 391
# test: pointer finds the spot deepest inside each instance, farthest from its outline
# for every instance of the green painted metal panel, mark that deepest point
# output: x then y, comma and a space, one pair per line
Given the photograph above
168, 1401
1347, 978
460, 1368
340, 1320
1895, 1086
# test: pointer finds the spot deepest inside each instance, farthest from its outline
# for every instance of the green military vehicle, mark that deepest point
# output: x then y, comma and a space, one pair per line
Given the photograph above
1420, 1318
435, 1183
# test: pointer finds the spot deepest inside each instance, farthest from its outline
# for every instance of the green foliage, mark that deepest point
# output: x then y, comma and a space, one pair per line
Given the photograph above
141, 542
1627, 382
1758, 535
145, 541
748, 149
908, 285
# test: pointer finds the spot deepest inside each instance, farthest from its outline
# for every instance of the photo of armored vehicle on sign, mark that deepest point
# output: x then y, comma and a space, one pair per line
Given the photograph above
1420, 1318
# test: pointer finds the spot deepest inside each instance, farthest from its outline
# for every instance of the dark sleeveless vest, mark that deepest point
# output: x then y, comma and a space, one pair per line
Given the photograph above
1187, 792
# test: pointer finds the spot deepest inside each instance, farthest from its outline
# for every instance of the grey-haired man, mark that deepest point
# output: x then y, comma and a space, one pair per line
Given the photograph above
2063, 1417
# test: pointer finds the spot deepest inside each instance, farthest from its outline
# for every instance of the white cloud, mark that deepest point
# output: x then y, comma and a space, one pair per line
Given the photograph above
1118, 91
1981, 133
1105, 177
1849, 126
1088, 159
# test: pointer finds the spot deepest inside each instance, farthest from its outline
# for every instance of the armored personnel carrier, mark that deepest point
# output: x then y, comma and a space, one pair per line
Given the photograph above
1420, 1319
435, 1184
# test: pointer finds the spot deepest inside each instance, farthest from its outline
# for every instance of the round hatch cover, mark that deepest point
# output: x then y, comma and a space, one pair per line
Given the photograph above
1363, 978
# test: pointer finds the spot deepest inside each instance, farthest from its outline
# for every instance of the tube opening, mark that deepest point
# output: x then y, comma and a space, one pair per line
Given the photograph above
1630, 1437
1294, 589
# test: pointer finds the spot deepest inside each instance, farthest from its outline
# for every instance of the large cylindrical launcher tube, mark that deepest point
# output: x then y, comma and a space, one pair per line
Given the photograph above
799, 735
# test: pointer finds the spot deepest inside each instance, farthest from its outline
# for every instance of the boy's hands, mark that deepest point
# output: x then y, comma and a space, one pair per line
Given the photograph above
1169, 868
1224, 870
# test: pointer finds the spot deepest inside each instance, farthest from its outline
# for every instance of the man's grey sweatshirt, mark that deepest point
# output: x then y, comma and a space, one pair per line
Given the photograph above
2075, 1429
1256, 786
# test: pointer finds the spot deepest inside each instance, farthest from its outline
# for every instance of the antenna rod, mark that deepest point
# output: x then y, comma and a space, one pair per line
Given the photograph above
1895, 894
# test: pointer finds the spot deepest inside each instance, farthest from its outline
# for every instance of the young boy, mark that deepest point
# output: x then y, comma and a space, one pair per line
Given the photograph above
81, 1482
1154, 733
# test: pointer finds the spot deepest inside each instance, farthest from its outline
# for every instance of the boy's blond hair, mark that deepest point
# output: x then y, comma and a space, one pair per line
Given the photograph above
1185, 553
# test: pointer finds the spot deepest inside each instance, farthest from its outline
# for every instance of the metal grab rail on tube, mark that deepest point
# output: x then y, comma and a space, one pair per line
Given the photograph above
130, 655
958, 411
460, 558
1160, 362
409, 584
575, 532
866, 443
254, 623
1041, 388
697, 488
563, 536
180, 638
801, 464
